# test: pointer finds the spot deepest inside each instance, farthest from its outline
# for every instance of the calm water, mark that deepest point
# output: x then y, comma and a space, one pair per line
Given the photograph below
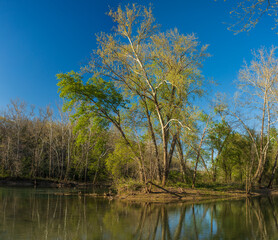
41, 214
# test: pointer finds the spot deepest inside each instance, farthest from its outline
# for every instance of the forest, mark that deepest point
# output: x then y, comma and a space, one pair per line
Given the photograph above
142, 111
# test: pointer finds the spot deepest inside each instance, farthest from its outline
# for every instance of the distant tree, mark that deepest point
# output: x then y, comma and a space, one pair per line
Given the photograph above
90, 147
233, 160
218, 139
199, 146
39, 144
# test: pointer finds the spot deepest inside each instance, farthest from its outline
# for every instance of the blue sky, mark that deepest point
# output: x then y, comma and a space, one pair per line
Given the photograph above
39, 39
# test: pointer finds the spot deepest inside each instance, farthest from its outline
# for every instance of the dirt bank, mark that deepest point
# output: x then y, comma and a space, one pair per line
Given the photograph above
191, 195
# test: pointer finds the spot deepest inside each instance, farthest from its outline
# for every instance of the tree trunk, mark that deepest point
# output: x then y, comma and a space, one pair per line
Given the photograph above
171, 152
198, 155
158, 164
50, 151
182, 161
165, 158
258, 175
273, 171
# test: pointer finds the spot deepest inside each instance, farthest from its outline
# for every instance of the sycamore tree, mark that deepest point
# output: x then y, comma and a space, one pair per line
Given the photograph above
139, 65
259, 82
257, 106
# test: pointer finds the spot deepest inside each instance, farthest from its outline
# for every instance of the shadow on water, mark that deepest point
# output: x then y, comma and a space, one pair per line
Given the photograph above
42, 214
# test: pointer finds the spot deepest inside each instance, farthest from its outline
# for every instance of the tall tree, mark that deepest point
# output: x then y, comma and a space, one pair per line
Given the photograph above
256, 104
138, 64
258, 81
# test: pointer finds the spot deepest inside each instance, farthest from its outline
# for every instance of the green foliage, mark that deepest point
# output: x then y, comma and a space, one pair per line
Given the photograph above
128, 185
219, 134
119, 162
96, 97
220, 186
175, 176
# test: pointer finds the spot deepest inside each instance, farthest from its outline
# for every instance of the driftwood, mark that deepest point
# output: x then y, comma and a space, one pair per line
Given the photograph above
177, 195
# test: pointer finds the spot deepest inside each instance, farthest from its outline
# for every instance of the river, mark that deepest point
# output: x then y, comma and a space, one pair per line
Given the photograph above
27, 213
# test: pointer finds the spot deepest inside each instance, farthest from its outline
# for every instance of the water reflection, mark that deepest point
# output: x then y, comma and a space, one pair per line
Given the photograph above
40, 214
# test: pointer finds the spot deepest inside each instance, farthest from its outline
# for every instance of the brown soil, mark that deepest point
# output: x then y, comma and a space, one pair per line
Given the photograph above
191, 195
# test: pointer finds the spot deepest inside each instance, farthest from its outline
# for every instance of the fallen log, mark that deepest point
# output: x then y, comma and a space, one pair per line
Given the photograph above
177, 195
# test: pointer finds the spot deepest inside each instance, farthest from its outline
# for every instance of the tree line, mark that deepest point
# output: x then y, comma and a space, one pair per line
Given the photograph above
42, 145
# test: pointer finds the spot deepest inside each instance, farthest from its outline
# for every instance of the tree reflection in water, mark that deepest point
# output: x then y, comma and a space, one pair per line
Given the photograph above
41, 214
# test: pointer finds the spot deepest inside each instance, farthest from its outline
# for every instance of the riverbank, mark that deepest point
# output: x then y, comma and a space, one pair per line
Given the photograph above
173, 194
47, 183
156, 194
190, 195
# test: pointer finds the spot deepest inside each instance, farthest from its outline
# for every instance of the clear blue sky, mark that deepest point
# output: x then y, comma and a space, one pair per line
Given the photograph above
39, 39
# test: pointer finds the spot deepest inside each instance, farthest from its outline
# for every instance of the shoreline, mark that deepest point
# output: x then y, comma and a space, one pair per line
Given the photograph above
170, 195
45, 183
193, 195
